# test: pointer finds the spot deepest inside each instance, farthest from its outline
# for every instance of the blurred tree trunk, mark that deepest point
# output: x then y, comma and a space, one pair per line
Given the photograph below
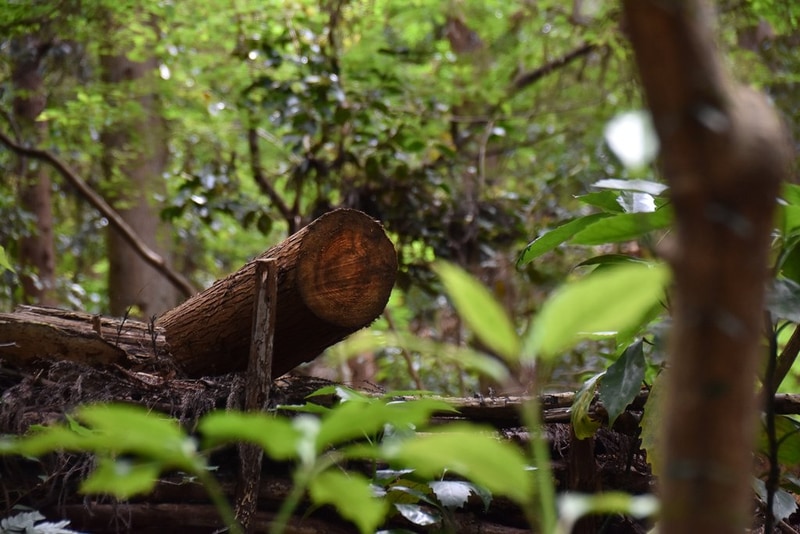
37, 250
724, 153
135, 157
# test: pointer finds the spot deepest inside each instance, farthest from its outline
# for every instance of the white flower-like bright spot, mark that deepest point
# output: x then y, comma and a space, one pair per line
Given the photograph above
632, 138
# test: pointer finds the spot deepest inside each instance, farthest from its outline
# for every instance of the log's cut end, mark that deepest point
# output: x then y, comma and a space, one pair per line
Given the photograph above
334, 277
346, 268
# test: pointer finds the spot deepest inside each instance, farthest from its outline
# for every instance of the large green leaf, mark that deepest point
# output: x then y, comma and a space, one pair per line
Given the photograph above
606, 200
787, 433
783, 504
552, 239
470, 451
651, 423
623, 381
278, 437
352, 496
606, 302
114, 429
623, 227
356, 419
122, 478
783, 300
480, 310
4, 261
583, 424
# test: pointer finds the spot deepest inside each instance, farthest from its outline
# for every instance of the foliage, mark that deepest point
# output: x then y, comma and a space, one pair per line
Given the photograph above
33, 523
360, 428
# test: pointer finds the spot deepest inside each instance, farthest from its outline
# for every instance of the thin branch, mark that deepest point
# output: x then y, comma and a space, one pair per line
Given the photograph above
525, 79
151, 257
261, 181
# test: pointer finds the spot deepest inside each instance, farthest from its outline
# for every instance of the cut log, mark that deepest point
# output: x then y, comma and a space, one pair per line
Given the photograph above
334, 278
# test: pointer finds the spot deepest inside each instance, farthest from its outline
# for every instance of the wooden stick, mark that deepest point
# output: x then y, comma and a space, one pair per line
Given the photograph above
257, 386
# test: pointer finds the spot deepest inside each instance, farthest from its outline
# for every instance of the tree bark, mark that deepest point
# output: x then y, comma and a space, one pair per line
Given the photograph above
724, 153
334, 277
135, 158
37, 251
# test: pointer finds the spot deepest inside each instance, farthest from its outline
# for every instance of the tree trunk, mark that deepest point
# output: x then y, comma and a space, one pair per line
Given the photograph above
37, 251
135, 157
334, 277
724, 153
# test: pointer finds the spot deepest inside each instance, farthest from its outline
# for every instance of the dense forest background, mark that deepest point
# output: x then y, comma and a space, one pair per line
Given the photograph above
215, 129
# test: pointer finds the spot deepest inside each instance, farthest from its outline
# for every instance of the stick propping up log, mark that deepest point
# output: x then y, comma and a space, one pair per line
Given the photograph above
334, 278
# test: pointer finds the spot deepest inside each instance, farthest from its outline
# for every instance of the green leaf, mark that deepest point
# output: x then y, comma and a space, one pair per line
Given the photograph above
784, 503
455, 493
789, 217
791, 193
636, 186
480, 310
623, 381
612, 259
122, 478
623, 227
651, 423
609, 301
352, 420
352, 496
278, 437
787, 432
419, 515
132, 429
470, 451
607, 200
552, 239
783, 300
116, 429
464, 357
583, 424
452, 494
5, 263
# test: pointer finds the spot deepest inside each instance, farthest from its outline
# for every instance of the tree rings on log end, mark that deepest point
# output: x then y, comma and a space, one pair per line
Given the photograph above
346, 268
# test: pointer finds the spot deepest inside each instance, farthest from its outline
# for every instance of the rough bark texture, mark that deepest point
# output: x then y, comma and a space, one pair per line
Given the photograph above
37, 251
334, 277
135, 156
724, 155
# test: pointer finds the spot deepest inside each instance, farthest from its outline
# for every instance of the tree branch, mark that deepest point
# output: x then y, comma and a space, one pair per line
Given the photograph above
263, 183
114, 219
524, 79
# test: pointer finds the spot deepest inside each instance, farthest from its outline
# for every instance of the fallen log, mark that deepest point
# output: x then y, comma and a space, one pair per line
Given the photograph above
334, 278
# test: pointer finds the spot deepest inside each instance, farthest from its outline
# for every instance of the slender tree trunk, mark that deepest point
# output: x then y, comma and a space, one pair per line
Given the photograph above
134, 160
724, 154
37, 250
